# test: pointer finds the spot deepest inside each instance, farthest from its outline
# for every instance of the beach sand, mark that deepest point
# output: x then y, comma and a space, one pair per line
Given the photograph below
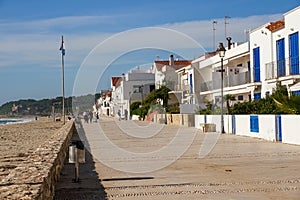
23, 138
23, 164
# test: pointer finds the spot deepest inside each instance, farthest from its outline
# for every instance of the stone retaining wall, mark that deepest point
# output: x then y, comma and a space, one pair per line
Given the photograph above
36, 177
175, 119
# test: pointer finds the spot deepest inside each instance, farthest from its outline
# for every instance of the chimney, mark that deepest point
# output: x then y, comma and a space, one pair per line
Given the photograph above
229, 42
171, 60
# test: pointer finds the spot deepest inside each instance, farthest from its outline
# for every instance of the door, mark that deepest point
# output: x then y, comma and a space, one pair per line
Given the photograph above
278, 129
233, 124
294, 53
256, 64
280, 57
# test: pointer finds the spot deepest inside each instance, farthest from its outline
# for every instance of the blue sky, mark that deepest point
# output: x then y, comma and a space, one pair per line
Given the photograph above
30, 32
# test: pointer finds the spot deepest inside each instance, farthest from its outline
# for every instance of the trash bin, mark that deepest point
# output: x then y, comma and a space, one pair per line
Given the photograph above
76, 151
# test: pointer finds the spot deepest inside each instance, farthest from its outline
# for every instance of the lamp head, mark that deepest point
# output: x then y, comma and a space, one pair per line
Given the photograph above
221, 49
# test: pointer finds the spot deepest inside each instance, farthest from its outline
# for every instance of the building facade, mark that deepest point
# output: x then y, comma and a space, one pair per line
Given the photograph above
274, 50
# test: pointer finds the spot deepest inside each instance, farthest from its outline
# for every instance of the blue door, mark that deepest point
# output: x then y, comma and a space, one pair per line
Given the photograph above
256, 64
254, 126
280, 57
257, 96
294, 53
278, 129
233, 124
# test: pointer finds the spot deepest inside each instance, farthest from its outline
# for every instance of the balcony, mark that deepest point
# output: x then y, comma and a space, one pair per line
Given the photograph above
279, 68
182, 87
229, 81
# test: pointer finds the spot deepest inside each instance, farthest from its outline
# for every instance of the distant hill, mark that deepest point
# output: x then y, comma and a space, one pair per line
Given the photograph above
44, 107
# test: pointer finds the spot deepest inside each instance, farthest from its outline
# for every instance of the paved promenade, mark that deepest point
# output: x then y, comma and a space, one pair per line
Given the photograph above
131, 160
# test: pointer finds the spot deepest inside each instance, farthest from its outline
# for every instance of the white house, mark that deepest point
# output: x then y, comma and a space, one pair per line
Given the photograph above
274, 52
131, 87
166, 73
237, 77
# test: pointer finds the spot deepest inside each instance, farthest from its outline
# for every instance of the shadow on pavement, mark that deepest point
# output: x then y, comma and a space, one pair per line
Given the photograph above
89, 185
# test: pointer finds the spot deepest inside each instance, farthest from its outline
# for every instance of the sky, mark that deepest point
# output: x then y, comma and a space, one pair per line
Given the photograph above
108, 38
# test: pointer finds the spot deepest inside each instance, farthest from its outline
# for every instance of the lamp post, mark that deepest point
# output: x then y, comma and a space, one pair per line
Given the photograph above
221, 50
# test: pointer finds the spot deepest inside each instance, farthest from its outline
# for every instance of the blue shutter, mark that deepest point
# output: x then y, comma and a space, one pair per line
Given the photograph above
256, 64
191, 83
280, 57
294, 53
254, 126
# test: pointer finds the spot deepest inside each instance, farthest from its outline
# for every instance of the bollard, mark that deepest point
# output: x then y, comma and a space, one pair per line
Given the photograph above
76, 156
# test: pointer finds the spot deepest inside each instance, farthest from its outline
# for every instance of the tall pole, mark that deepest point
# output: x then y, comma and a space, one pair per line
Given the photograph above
222, 98
214, 35
63, 78
225, 23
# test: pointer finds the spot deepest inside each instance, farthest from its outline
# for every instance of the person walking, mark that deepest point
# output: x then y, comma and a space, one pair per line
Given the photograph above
119, 115
90, 116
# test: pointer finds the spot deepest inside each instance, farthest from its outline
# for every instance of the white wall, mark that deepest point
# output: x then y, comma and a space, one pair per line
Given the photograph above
290, 129
242, 122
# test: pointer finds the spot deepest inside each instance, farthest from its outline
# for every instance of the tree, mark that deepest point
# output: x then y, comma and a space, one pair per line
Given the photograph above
228, 98
286, 104
150, 101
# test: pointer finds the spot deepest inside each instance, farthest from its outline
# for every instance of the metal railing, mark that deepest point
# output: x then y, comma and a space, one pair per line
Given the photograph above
280, 68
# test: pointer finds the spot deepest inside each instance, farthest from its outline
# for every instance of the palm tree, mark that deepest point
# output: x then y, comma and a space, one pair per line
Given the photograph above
228, 98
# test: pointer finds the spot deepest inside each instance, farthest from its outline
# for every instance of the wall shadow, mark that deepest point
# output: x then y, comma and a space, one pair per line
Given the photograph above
89, 185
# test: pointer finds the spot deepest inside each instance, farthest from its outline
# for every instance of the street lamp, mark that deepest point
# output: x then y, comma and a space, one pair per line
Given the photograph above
221, 51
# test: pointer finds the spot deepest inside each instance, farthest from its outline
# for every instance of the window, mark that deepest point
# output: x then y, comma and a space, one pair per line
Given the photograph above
254, 126
240, 98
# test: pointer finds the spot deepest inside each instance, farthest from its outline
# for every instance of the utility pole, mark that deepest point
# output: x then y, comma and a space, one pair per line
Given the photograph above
214, 34
225, 23
62, 49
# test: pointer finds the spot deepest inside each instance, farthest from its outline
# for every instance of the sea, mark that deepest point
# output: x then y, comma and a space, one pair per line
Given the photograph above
13, 121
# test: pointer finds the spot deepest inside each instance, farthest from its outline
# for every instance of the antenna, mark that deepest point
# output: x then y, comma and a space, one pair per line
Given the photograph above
247, 32
214, 34
225, 23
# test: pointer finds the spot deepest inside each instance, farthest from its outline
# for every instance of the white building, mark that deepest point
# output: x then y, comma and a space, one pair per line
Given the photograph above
274, 50
252, 69
166, 73
131, 87
237, 81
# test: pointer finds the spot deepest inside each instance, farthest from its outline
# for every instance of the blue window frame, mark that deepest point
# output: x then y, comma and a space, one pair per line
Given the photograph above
294, 53
280, 57
240, 97
254, 124
256, 64
257, 96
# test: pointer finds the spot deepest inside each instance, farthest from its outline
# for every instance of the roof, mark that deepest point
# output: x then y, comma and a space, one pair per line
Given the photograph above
115, 80
178, 64
275, 26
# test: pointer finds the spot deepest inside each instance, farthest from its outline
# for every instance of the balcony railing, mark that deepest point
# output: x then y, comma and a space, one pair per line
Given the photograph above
279, 68
229, 81
182, 87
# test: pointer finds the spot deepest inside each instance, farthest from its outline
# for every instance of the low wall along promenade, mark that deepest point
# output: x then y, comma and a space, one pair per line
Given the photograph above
31, 158
277, 128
